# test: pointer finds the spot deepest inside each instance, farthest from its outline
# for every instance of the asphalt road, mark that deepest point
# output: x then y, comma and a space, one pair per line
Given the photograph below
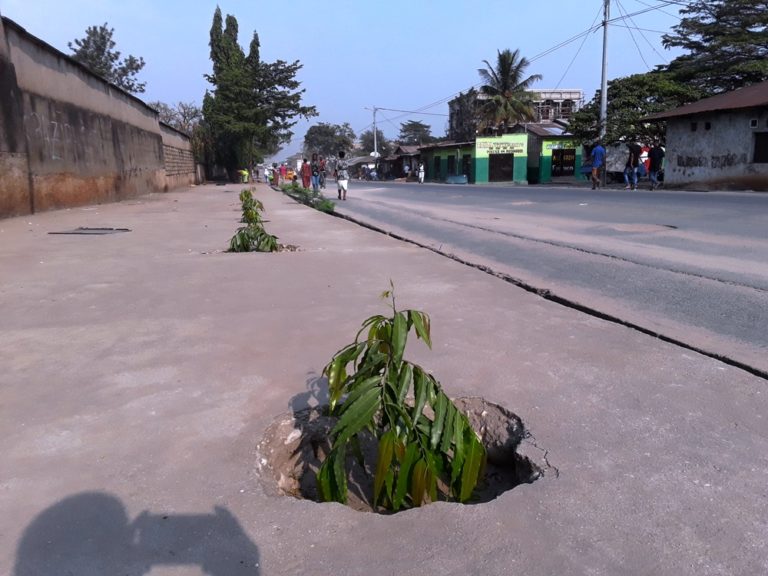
688, 266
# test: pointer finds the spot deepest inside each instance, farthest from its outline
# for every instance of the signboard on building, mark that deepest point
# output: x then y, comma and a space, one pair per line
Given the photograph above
549, 145
516, 144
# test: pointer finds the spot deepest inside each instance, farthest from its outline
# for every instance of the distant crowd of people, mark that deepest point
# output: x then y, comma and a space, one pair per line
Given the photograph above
639, 162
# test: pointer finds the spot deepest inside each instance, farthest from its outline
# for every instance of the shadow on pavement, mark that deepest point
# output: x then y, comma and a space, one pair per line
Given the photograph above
89, 534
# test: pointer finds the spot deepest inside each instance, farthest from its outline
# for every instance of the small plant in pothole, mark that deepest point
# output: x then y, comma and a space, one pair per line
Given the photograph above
427, 450
252, 237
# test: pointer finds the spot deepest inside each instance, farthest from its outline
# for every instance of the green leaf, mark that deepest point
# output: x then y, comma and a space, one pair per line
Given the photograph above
386, 451
401, 485
450, 418
340, 475
421, 322
399, 337
459, 424
421, 385
419, 482
439, 422
336, 374
475, 456
324, 481
357, 415
405, 382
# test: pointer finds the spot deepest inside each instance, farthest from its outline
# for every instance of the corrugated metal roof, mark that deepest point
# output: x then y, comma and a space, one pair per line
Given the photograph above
749, 97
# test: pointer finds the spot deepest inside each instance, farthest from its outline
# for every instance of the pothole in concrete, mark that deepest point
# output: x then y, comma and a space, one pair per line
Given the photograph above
295, 444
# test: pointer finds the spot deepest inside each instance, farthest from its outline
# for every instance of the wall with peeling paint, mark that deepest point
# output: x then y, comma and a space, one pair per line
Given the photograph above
71, 137
15, 195
716, 150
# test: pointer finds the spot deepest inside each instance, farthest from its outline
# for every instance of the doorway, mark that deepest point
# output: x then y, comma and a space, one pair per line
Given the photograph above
501, 167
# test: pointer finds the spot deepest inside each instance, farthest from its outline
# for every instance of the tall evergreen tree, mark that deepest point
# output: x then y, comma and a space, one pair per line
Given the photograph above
415, 133
726, 41
97, 51
507, 100
253, 104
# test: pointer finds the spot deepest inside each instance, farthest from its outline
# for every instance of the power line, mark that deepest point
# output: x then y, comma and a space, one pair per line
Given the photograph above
614, 21
621, 9
599, 10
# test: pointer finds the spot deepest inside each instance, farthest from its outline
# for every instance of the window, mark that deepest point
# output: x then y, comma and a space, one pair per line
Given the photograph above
694, 125
707, 125
761, 148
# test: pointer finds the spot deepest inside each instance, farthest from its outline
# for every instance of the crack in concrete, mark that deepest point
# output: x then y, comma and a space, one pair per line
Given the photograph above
552, 297
588, 251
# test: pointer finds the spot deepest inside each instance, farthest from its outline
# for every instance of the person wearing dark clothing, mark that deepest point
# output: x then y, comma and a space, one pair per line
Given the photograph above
630, 169
656, 157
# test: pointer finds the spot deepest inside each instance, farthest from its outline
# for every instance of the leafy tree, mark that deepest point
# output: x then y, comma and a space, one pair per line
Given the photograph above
415, 133
629, 100
328, 139
183, 116
507, 100
382, 143
253, 105
727, 44
463, 117
96, 51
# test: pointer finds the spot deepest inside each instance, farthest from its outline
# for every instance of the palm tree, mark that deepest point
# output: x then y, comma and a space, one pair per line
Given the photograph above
507, 100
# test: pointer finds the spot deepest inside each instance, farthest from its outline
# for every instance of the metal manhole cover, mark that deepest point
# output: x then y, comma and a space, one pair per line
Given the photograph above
93, 231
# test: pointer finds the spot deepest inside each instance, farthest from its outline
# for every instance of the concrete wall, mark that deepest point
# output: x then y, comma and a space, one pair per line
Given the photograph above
718, 154
15, 197
71, 138
179, 162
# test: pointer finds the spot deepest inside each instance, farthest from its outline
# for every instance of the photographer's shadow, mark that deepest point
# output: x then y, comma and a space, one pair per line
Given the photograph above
90, 534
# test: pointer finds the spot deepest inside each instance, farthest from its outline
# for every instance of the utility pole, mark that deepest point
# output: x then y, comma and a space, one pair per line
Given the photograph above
604, 80
375, 142
604, 84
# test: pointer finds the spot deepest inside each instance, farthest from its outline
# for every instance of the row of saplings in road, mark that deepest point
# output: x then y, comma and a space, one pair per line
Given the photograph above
373, 389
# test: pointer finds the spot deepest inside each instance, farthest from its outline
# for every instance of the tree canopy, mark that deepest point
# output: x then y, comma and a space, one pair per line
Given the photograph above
382, 143
415, 133
97, 51
726, 43
505, 89
253, 105
629, 100
328, 139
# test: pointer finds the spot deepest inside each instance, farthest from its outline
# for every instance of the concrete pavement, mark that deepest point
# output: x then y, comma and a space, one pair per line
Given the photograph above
140, 369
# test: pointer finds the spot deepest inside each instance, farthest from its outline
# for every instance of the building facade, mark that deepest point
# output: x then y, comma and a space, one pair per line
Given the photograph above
719, 142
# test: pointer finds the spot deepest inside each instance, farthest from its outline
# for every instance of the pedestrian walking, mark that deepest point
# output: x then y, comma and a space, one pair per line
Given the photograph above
342, 176
597, 159
656, 157
630, 168
283, 172
306, 173
421, 172
322, 173
314, 167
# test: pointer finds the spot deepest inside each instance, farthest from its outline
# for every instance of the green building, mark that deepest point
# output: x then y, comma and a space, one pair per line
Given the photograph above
553, 154
501, 159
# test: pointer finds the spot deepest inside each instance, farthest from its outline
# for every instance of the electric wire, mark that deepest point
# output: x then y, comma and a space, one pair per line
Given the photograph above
568, 68
624, 16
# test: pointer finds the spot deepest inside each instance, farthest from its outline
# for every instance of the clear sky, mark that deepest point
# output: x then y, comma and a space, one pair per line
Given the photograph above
401, 54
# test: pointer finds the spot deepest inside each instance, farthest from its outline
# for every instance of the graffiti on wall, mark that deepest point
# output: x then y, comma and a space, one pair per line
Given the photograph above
728, 160
54, 135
